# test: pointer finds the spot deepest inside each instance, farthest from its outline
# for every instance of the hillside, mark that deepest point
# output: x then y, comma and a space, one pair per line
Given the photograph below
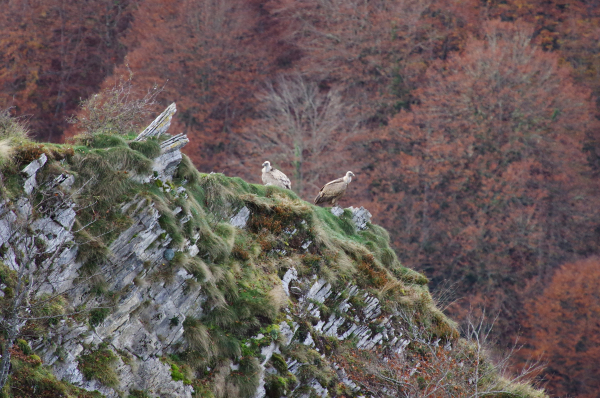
128, 273
472, 127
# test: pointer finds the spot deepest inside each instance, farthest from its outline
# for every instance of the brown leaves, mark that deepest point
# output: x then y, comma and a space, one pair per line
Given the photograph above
563, 328
56, 53
490, 164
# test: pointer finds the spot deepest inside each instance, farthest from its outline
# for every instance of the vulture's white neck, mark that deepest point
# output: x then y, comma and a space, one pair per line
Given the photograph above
347, 179
266, 168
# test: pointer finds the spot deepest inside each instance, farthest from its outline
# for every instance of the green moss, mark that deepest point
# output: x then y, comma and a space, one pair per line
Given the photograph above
150, 147
51, 309
336, 225
215, 193
186, 171
98, 365
242, 249
279, 363
198, 268
103, 141
214, 247
30, 379
126, 160
178, 375
170, 224
199, 338
12, 184
24, 346
410, 276
246, 379
35, 359
276, 386
28, 151
92, 252
518, 390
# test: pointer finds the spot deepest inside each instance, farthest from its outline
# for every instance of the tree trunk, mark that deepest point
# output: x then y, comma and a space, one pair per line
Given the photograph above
5, 363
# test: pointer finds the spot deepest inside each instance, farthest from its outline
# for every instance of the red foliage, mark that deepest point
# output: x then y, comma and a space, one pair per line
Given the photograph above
211, 59
483, 181
216, 56
572, 30
55, 53
564, 328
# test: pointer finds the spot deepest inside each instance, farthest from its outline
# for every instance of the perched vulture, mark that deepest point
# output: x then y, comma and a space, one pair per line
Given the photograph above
271, 176
334, 190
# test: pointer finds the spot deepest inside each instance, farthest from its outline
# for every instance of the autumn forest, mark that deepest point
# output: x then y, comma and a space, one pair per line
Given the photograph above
473, 128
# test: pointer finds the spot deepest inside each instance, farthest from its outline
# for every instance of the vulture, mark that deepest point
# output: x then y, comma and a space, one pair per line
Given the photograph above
271, 176
334, 190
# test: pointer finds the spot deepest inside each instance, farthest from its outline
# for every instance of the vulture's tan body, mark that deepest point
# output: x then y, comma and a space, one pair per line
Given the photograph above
271, 176
332, 191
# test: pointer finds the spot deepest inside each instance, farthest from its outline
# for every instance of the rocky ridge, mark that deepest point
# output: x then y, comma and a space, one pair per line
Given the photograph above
163, 276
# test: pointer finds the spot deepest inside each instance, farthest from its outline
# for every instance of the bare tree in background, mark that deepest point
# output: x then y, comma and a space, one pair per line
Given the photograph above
305, 131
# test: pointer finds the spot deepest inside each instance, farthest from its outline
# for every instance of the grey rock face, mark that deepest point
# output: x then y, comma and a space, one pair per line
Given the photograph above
155, 376
170, 156
144, 331
241, 218
147, 319
146, 322
30, 171
361, 217
337, 211
160, 125
351, 321
34, 166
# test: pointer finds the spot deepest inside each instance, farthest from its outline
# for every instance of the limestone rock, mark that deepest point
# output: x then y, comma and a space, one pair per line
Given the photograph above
361, 217
170, 156
30, 171
34, 166
241, 218
165, 164
337, 211
160, 125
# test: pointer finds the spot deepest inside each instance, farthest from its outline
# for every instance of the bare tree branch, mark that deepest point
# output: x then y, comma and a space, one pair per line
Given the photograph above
304, 128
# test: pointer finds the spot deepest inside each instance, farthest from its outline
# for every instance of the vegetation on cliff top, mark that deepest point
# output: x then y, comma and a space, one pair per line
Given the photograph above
240, 270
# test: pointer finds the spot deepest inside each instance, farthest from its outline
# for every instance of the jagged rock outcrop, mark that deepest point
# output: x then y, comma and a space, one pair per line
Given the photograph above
160, 125
200, 284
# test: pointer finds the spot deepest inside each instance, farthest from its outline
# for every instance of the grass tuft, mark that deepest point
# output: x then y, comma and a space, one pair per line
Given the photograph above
99, 365
150, 147
13, 132
29, 378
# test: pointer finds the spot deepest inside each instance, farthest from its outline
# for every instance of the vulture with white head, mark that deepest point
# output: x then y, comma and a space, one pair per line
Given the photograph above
332, 191
271, 176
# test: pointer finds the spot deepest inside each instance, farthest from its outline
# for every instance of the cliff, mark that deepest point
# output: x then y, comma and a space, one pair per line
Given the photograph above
155, 280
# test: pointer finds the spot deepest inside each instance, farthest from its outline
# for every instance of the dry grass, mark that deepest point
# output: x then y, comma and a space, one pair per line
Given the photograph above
278, 297
6, 152
13, 132
222, 387
11, 128
198, 338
